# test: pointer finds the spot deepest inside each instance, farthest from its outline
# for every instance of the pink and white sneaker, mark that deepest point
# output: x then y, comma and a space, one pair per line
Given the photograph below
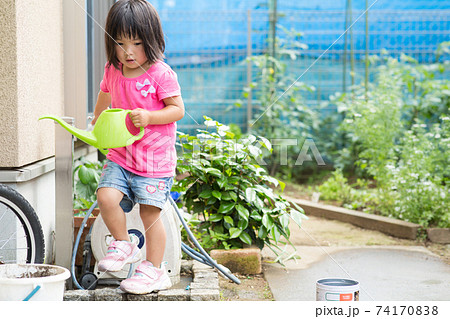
120, 253
147, 278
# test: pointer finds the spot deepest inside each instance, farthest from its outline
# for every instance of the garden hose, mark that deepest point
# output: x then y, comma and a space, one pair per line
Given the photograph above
77, 242
201, 256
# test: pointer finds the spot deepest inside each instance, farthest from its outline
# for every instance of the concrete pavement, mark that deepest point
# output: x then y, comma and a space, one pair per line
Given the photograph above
385, 273
387, 268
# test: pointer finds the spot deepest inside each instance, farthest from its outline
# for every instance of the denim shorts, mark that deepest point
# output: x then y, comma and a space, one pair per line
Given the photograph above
136, 188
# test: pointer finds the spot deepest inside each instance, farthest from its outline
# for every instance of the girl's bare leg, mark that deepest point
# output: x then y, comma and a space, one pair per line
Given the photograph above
155, 234
108, 199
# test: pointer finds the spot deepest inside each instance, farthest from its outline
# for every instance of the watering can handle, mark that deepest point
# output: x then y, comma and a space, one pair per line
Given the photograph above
141, 133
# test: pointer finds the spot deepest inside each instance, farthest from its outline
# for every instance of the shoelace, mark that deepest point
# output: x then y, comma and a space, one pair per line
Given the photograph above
151, 273
112, 249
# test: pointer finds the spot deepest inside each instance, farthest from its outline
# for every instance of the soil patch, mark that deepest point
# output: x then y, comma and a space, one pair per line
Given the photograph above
251, 288
15, 271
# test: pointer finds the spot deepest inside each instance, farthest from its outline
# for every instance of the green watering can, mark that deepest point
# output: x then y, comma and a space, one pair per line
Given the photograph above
110, 131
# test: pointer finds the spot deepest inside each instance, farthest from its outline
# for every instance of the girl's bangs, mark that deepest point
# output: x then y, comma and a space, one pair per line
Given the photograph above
126, 26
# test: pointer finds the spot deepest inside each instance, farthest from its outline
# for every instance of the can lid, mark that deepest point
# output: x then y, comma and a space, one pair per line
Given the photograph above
340, 282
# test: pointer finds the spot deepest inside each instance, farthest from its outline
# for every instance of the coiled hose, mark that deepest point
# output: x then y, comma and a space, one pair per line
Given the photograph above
203, 256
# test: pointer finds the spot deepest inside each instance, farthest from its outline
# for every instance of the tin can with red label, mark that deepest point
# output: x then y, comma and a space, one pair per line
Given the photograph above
337, 289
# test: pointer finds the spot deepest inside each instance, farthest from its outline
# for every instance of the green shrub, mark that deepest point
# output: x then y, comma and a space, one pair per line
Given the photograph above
399, 131
419, 181
230, 195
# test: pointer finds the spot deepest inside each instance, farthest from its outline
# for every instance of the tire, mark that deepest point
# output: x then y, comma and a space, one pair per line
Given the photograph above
17, 213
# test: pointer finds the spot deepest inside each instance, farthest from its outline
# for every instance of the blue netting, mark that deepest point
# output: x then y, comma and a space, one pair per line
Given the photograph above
207, 43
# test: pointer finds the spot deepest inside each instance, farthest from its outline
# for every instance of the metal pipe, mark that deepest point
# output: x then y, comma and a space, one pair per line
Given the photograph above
64, 195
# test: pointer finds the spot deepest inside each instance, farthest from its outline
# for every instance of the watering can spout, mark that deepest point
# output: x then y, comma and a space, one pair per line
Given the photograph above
110, 131
85, 136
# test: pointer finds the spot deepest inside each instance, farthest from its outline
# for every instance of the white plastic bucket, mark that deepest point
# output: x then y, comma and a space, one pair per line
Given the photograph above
32, 282
336, 289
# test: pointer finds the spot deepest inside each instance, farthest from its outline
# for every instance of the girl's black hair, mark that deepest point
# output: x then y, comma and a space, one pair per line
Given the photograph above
134, 19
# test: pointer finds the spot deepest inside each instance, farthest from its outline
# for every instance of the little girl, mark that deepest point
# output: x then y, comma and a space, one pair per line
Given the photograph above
136, 78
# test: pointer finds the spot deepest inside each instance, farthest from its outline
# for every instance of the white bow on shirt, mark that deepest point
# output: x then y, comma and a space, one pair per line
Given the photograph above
150, 90
141, 85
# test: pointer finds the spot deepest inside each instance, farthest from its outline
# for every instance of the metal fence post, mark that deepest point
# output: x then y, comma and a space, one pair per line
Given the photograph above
366, 74
249, 70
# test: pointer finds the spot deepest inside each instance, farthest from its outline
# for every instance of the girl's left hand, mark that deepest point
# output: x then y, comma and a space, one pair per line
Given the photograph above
140, 117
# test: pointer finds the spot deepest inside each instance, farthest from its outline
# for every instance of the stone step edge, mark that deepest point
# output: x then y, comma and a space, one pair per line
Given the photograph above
204, 287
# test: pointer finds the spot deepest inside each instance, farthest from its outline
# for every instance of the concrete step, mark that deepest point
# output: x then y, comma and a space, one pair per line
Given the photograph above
198, 282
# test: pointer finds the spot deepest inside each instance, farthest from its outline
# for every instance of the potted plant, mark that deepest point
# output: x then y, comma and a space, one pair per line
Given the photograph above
231, 197
86, 175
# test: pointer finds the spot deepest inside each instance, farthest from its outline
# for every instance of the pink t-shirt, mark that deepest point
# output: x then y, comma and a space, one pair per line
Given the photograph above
154, 155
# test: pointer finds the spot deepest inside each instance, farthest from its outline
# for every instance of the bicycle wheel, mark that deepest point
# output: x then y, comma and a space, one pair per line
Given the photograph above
21, 236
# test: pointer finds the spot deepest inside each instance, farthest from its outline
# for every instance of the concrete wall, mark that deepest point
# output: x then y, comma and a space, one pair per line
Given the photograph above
42, 71
8, 83
31, 78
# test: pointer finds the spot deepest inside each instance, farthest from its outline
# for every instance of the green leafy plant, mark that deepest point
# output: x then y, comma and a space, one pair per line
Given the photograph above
336, 188
353, 196
229, 193
86, 175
